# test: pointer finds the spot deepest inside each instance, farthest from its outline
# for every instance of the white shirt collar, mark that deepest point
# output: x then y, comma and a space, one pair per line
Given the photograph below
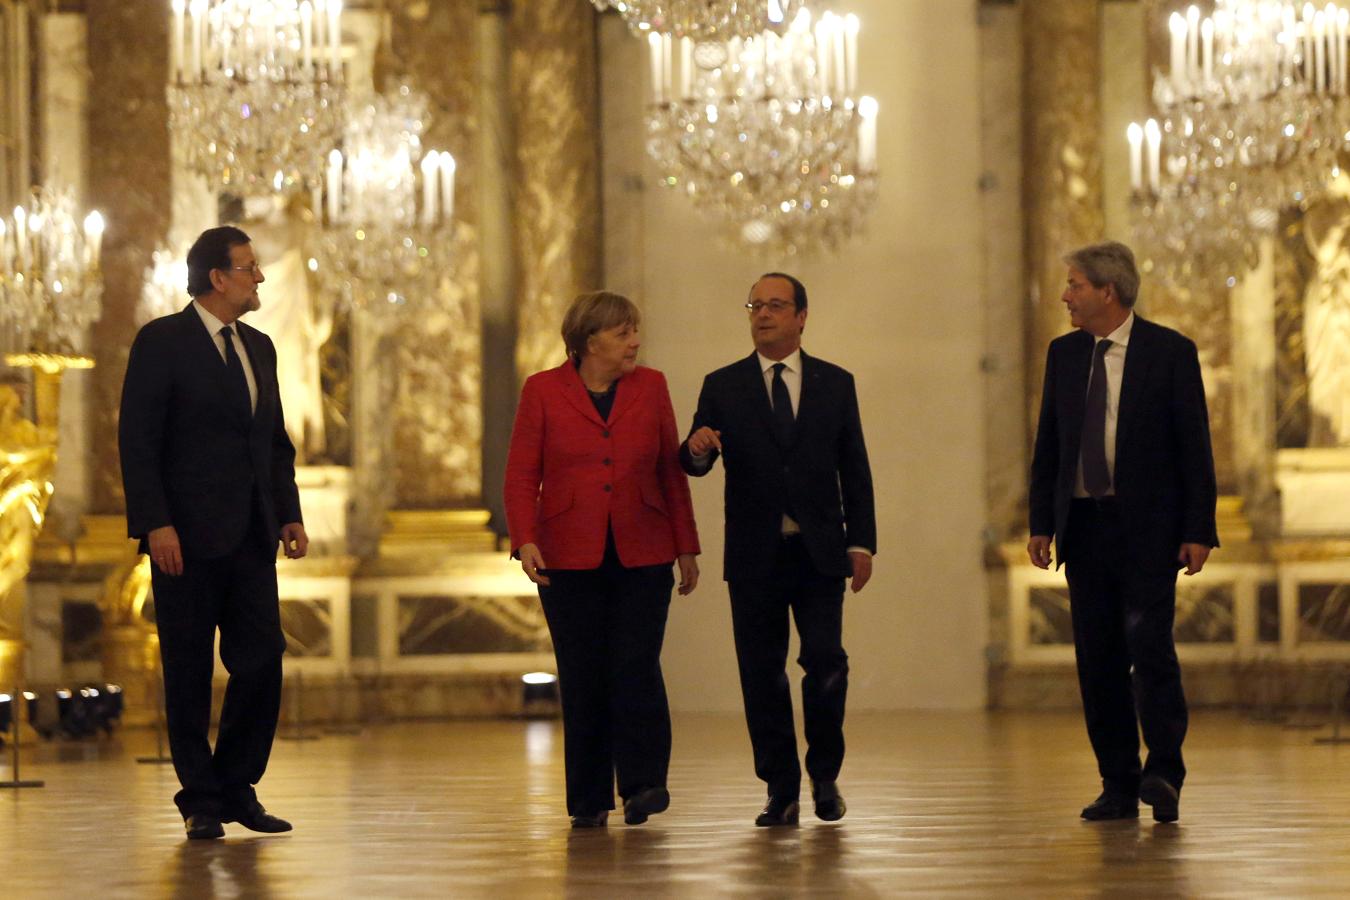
213, 325
1121, 336
793, 361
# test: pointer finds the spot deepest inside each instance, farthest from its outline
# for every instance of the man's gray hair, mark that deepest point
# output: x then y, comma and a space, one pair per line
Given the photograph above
1109, 262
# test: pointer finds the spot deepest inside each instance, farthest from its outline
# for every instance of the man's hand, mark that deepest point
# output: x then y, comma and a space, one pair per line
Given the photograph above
165, 551
1194, 556
531, 560
862, 569
294, 541
1038, 548
703, 441
688, 573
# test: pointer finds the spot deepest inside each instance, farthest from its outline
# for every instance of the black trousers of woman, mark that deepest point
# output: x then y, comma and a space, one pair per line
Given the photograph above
607, 626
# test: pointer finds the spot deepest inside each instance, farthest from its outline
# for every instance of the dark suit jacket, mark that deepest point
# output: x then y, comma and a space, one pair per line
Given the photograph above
1164, 467
571, 476
822, 475
190, 456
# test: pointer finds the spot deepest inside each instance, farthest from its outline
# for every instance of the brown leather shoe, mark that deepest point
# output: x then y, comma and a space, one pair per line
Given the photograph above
830, 805
203, 827
255, 818
1111, 806
1157, 793
590, 820
645, 803
778, 811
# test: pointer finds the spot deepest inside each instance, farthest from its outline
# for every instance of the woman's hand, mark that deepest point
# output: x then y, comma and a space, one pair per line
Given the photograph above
688, 572
531, 561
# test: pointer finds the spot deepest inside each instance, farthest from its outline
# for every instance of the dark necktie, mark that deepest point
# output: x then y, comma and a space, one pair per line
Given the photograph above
1096, 476
234, 373
782, 405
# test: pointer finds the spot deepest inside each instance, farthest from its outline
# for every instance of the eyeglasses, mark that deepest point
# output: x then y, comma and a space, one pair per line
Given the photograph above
775, 306
255, 268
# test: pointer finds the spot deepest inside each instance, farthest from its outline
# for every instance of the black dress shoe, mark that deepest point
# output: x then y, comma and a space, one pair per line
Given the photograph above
1111, 806
1157, 793
830, 805
646, 802
203, 827
590, 820
778, 811
255, 818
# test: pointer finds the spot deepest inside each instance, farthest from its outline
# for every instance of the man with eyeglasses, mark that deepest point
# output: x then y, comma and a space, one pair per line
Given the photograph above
799, 522
209, 477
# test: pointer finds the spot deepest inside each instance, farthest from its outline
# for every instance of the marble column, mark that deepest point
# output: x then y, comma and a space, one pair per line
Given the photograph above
129, 179
63, 109
437, 413
557, 196
1062, 181
496, 148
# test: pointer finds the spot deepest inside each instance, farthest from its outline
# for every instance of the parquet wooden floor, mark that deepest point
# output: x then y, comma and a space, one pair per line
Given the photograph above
940, 804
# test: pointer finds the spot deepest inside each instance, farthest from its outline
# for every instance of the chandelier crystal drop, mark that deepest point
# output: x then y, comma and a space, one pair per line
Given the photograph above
703, 19
1254, 115
51, 285
386, 207
256, 89
768, 134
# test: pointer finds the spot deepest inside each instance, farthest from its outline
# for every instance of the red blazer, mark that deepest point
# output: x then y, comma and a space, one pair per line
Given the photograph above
569, 474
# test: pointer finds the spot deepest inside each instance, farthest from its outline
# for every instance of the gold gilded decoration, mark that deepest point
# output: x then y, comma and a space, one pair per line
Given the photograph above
557, 206
129, 643
1062, 183
438, 398
129, 176
26, 465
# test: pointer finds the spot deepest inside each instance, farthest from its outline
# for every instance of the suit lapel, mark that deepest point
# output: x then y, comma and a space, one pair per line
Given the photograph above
811, 396
626, 394
1074, 382
1139, 357
575, 392
254, 362
752, 381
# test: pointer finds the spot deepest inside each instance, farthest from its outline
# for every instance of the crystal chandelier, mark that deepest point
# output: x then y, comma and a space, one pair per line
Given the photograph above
255, 89
703, 19
1254, 115
50, 281
386, 207
768, 134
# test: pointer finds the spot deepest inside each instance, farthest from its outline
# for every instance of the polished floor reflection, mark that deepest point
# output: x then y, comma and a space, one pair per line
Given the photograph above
940, 804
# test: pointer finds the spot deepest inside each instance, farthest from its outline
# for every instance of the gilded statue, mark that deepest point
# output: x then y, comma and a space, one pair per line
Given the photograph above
26, 466
1326, 322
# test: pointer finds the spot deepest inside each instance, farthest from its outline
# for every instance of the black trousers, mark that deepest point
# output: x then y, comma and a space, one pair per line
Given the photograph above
236, 594
608, 625
1128, 672
759, 612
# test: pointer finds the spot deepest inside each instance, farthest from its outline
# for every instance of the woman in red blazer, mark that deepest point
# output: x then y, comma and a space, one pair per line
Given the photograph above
598, 509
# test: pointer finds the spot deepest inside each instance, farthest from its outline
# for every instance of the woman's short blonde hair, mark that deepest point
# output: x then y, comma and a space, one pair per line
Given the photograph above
594, 312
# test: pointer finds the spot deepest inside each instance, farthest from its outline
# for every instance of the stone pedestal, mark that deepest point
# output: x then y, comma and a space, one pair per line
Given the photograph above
325, 495
1314, 485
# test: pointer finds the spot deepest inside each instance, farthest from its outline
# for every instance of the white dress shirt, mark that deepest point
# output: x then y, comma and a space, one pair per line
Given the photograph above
1115, 369
213, 325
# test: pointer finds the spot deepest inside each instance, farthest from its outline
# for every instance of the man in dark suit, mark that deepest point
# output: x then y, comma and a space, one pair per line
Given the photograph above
209, 475
1123, 481
799, 521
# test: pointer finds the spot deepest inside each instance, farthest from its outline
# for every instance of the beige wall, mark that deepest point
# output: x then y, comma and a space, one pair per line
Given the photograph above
901, 308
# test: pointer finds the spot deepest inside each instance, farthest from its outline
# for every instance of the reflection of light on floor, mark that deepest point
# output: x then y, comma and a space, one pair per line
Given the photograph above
539, 743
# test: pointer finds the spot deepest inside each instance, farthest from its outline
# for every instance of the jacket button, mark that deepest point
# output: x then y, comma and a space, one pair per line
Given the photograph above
605, 433
606, 460
607, 489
